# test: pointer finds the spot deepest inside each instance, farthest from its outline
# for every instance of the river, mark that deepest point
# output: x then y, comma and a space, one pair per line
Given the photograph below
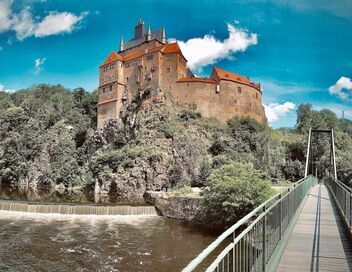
66, 242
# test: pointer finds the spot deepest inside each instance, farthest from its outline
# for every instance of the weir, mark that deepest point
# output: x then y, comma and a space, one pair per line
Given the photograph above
14, 206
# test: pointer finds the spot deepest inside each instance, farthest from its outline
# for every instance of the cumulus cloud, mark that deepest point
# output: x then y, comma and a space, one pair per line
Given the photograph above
342, 88
208, 49
274, 111
38, 65
25, 25
2, 89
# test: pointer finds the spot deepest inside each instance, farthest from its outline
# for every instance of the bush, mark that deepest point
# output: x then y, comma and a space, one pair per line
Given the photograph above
234, 190
188, 115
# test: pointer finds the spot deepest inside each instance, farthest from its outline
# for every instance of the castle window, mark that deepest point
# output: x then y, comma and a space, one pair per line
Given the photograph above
168, 69
149, 57
126, 79
110, 88
256, 95
239, 89
169, 57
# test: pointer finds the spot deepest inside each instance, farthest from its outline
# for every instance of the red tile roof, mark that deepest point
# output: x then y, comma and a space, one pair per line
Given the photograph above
165, 49
112, 57
226, 75
197, 79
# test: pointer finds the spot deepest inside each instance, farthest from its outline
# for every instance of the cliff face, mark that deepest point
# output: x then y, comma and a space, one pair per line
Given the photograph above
151, 151
48, 138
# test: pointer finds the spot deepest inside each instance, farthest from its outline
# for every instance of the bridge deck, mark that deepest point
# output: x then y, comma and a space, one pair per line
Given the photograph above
318, 241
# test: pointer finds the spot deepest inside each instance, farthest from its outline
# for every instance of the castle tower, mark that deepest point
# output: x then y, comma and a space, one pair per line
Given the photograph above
139, 30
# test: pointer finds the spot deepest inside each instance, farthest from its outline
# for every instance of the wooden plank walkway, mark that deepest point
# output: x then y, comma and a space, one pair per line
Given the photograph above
318, 241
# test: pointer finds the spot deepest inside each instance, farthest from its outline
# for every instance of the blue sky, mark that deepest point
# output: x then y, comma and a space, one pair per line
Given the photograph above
297, 50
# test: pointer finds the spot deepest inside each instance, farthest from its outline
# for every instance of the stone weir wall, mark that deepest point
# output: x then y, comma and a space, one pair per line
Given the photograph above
178, 207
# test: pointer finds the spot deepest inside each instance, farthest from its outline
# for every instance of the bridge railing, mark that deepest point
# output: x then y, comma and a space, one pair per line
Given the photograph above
259, 246
342, 195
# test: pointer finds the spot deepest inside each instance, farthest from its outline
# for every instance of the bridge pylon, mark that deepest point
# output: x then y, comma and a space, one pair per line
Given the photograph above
309, 169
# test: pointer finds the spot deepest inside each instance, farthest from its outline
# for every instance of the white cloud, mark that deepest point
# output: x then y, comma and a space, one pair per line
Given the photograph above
55, 23
38, 65
208, 50
2, 89
274, 111
342, 88
25, 25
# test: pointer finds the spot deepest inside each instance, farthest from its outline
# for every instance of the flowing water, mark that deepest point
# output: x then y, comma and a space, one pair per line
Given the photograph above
52, 242
39, 232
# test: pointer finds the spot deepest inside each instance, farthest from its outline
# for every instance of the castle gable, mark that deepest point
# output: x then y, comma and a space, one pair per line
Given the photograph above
112, 57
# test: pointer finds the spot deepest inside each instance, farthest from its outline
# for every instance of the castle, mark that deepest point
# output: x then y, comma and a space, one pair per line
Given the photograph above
149, 61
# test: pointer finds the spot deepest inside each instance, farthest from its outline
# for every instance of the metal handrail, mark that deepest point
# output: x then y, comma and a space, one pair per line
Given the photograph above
259, 216
342, 195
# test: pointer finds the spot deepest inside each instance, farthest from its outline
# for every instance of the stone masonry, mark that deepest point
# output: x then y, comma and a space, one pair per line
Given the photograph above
148, 61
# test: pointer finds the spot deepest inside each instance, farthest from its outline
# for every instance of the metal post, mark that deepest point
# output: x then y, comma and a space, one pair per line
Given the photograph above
280, 217
308, 152
333, 153
234, 253
264, 240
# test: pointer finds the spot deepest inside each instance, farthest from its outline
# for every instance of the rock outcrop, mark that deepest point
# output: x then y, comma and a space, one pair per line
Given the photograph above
178, 207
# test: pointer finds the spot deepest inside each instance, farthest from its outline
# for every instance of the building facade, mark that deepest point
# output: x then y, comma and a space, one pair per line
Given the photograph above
148, 61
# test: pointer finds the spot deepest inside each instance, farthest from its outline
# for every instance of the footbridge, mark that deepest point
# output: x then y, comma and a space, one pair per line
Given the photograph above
306, 227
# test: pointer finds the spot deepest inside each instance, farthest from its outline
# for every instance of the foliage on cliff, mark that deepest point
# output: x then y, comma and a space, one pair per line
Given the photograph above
48, 136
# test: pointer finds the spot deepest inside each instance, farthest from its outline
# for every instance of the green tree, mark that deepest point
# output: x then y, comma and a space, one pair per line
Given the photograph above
233, 191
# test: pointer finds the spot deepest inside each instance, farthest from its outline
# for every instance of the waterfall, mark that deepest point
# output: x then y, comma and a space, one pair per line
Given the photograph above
76, 209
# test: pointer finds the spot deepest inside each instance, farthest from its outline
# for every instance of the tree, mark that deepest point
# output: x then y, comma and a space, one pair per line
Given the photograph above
304, 118
233, 191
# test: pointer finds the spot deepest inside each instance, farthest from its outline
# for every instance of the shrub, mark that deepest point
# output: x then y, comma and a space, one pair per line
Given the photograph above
189, 114
233, 191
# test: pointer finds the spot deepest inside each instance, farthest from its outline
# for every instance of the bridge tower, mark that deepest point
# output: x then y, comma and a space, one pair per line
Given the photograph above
310, 169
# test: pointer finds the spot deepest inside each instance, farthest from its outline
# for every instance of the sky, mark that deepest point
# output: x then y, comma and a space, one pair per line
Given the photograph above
300, 51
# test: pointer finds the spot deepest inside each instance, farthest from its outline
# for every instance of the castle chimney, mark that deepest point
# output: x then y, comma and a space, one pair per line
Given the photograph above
149, 34
163, 39
122, 44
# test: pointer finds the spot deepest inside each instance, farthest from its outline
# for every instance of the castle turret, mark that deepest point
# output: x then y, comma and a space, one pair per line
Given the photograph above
163, 40
122, 44
149, 34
